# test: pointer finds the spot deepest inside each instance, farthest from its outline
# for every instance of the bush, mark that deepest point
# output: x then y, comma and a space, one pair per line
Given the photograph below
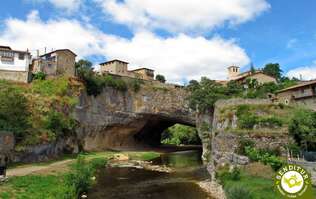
264, 157
225, 175
161, 78
238, 192
136, 84
247, 121
52, 87
14, 111
39, 76
58, 123
303, 129
242, 144
80, 179
270, 122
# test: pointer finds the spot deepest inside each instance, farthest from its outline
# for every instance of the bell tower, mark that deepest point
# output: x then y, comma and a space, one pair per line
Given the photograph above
233, 72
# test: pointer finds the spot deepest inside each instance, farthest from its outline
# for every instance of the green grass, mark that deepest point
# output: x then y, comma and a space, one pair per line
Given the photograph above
261, 188
62, 185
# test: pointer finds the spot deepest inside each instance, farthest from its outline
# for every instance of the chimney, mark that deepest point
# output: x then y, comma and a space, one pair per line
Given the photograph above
233, 72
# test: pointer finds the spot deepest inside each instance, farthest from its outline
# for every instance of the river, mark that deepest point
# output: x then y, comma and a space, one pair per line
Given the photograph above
135, 183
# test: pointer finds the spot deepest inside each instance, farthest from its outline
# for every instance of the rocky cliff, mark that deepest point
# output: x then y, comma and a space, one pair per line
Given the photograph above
116, 119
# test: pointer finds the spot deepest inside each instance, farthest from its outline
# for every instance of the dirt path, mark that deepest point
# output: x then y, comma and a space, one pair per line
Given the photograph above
56, 167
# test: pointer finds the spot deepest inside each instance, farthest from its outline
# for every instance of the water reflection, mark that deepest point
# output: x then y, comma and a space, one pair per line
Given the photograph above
132, 183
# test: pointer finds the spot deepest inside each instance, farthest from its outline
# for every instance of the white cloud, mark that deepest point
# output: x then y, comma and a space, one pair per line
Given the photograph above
178, 57
180, 15
306, 72
68, 5
60, 33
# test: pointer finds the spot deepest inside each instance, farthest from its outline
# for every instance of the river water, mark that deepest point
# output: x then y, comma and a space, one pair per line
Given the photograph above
133, 183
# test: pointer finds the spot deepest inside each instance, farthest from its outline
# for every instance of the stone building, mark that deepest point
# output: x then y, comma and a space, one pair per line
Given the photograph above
235, 75
118, 67
145, 73
14, 64
58, 62
303, 94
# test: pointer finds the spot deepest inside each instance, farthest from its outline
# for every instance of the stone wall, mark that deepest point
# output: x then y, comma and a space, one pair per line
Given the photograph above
225, 137
17, 76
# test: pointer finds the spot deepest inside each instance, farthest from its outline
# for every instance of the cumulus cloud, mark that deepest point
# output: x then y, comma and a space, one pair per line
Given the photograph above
179, 57
68, 5
180, 15
306, 72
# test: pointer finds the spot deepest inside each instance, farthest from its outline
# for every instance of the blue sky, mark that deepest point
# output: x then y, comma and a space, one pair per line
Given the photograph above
182, 39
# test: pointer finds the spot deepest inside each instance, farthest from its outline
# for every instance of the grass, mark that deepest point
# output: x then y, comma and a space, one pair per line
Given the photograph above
62, 185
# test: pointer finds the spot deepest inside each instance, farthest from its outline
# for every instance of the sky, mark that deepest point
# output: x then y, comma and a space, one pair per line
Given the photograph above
180, 39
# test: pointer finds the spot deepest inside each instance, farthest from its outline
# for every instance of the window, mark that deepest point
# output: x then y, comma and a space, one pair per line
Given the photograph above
21, 56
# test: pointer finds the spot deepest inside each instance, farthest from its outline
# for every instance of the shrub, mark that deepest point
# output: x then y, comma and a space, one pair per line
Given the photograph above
243, 142
238, 192
303, 129
52, 87
247, 121
14, 112
136, 84
39, 76
225, 175
270, 122
161, 78
58, 123
264, 157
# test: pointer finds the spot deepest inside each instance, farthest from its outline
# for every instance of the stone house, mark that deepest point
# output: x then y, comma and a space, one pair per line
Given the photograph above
118, 67
14, 64
58, 62
303, 94
145, 73
235, 75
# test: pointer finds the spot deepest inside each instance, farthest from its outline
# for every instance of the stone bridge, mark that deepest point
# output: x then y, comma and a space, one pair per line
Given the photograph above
116, 119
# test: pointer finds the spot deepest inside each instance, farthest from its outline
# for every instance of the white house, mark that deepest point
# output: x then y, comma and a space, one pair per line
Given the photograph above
14, 64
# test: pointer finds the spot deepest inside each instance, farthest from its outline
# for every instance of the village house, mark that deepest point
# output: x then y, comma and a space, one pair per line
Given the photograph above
15, 64
302, 94
118, 67
58, 62
235, 75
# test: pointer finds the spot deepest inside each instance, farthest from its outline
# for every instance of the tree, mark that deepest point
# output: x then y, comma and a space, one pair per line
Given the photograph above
83, 68
252, 68
161, 78
14, 112
180, 134
274, 70
303, 129
205, 94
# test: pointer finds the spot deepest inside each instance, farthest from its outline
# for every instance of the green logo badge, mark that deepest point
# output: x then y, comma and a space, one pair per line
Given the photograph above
293, 181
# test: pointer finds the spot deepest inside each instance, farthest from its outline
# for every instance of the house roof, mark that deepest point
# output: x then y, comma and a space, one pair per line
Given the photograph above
5, 47
142, 69
233, 67
8, 48
114, 60
302, 84
249, 73
58, 51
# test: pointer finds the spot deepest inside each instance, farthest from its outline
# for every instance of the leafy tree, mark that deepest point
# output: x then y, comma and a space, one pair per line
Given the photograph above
274, 70
180, 134
303, 128
252, 68
83, 68
205, 94
14, 112
161, 78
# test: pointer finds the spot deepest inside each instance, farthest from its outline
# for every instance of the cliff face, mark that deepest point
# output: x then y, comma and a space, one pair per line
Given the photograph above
116, 119
265, 134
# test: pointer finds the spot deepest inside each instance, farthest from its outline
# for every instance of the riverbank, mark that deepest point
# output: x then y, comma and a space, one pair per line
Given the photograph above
60, 179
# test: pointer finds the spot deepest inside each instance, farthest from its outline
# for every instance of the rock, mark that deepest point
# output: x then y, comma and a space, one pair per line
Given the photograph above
214, 189
239, 159
121, 157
